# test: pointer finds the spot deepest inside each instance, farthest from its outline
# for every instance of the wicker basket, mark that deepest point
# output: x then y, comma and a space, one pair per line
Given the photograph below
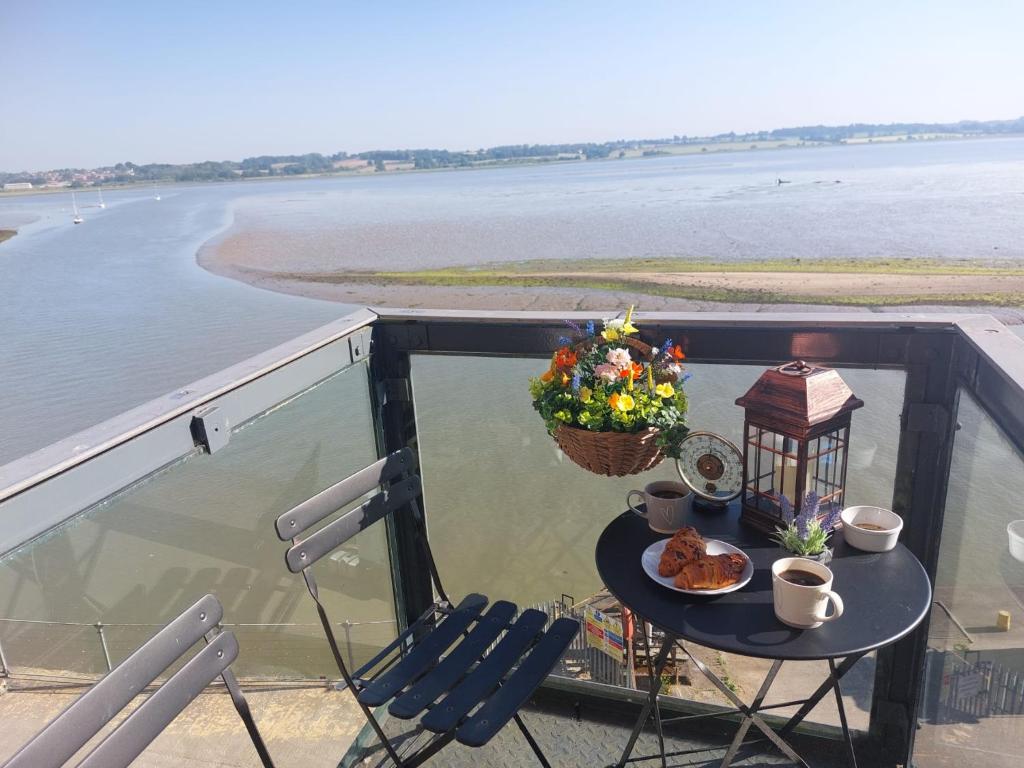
614, 454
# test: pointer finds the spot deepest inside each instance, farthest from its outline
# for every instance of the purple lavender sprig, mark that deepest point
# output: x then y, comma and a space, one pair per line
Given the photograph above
786, 506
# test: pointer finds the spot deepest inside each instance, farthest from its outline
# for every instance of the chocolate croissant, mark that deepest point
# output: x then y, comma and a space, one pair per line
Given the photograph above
684, 546
711, 572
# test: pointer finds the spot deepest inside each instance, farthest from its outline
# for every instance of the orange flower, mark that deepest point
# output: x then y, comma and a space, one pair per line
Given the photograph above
613, 401
547, 376
677, 352
634, 368
565, 358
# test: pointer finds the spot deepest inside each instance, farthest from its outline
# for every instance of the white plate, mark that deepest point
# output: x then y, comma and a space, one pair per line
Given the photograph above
652, 556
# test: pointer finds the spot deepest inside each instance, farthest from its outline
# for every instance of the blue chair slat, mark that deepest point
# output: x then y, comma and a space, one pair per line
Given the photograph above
424, 654
447, 673
500, 708
485, 678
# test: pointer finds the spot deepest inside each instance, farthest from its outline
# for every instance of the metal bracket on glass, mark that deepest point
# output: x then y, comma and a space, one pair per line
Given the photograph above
359, 345
210, 428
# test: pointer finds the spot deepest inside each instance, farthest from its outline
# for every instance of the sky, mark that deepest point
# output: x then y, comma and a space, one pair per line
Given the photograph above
84, 84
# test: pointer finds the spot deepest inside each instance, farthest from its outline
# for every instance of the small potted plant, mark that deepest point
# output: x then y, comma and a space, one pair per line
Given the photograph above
806, 534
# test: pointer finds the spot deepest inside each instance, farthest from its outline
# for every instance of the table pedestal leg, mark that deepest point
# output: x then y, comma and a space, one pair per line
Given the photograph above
750, 713
654, 671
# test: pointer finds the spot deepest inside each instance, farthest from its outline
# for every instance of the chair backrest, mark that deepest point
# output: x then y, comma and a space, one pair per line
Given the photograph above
81, 721
400, 487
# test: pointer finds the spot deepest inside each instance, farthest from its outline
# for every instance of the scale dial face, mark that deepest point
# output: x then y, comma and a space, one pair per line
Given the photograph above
712, 466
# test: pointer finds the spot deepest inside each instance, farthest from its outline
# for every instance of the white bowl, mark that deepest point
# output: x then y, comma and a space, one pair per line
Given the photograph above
1016, 533
867, 539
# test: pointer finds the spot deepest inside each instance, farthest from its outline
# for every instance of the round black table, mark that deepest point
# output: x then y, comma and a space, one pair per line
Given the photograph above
885, 596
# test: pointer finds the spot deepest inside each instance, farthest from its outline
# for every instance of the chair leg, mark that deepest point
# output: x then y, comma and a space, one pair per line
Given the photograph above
531, 741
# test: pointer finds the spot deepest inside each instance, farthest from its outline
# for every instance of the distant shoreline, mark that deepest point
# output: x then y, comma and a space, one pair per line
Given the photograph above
7, 234
651, 152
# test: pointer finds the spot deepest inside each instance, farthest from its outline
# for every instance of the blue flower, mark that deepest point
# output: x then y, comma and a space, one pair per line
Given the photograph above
576, 383
686, 376
564, 341
666, 346
591, 330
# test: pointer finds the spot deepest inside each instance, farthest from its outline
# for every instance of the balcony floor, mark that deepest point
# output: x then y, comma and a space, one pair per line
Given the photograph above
313, 727
592, 737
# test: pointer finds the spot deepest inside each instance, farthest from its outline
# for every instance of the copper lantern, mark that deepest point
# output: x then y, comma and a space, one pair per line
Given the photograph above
796, 436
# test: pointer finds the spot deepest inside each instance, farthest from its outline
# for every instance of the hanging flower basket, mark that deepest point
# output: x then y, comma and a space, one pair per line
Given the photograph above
613, 403
614, 454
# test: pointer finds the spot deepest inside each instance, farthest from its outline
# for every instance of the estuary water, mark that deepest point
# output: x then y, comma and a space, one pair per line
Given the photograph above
100, 317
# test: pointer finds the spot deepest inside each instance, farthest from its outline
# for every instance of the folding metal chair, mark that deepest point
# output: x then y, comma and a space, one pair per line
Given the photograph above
75, 726
466, 694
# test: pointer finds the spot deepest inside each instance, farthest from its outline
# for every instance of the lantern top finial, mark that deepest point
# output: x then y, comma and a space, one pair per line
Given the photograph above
799, 396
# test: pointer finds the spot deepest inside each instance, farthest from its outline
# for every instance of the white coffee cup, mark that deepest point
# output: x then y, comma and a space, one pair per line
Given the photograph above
667, 503
803, 603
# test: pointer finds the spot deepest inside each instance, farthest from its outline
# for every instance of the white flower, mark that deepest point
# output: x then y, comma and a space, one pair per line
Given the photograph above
607, 372
618, 357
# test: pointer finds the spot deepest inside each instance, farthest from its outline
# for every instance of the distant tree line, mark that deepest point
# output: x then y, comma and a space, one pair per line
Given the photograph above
316, 163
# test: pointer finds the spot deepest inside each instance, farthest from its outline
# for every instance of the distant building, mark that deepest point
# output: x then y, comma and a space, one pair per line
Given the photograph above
15, 186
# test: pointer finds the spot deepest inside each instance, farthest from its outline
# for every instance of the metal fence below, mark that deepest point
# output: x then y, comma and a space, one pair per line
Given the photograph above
102, 632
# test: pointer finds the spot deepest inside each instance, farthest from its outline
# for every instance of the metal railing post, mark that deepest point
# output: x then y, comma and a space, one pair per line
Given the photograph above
395, 422
347, 625
5, 668
103, 645
927, 428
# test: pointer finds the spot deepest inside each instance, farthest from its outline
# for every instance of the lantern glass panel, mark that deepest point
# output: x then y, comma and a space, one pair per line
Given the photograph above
826, 459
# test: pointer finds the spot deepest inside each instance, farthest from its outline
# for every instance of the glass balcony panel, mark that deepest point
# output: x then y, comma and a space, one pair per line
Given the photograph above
511, 517
206, 524
973, 695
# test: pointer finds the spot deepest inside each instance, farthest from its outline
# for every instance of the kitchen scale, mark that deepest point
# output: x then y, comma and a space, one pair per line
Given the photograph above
713, 468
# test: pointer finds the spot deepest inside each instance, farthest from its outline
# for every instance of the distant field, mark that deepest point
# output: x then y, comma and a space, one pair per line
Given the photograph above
867, 282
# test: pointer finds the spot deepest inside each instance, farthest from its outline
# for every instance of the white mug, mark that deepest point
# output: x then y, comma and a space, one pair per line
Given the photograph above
804, 605
667, 502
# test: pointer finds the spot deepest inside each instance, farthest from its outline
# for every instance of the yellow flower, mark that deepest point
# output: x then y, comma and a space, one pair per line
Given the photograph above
627, 326
566, 379
585, 394
625, 403
664, 390
610, 334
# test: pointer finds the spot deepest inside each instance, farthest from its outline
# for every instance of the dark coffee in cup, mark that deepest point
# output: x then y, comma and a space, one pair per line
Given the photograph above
668, 494
802, 578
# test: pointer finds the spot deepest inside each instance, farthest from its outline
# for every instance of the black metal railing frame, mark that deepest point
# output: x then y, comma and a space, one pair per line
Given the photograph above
939, 354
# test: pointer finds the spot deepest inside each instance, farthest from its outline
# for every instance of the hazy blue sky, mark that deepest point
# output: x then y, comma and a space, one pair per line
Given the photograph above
92, 82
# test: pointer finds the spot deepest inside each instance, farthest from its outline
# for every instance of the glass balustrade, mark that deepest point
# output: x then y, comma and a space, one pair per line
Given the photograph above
206, 524
973, 698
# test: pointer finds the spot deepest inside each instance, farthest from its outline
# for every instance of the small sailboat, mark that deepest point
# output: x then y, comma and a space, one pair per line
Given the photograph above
100, 191
78, 217
156, 194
